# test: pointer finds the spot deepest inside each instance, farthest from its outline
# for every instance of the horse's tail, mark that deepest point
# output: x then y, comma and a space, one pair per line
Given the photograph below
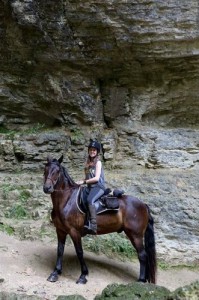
149, 240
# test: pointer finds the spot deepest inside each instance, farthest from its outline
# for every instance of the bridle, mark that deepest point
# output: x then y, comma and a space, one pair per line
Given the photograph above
55, 182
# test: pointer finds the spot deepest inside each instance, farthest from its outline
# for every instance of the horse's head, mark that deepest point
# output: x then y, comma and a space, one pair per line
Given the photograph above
52, 172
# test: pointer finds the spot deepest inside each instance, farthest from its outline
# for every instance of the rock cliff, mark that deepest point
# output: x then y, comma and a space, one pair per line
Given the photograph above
125, 72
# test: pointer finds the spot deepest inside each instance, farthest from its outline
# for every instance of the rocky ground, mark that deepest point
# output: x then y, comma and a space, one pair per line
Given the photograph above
25, 265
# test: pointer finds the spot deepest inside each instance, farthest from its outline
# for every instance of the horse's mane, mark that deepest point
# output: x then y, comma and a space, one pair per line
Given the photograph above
68, 177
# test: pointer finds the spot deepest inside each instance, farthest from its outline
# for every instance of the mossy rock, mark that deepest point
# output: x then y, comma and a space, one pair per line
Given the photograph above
13, 296
134, 291
188, 292
71, 297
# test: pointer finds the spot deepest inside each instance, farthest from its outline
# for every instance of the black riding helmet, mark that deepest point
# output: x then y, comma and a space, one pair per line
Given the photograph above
94, 144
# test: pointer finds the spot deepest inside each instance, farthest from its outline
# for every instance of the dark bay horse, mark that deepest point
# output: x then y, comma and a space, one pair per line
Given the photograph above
133, 217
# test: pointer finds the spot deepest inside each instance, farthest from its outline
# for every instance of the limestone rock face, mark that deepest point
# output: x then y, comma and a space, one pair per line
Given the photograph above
100, 61
125, 72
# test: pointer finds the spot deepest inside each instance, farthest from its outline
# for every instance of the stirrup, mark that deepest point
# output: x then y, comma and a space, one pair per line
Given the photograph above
89, 229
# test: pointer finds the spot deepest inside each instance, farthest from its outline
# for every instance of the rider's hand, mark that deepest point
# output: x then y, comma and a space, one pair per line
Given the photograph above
80, 182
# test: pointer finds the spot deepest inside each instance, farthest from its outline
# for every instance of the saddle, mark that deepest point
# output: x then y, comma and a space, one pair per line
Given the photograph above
108, 202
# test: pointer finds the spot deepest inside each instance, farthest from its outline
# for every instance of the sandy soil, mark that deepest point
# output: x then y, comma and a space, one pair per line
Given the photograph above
25, 266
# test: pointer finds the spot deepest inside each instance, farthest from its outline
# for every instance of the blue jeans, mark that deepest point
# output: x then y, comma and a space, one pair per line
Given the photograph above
91, 194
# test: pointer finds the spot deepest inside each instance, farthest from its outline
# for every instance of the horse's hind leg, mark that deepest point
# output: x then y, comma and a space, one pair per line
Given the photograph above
76, 238
137, 242
61, 236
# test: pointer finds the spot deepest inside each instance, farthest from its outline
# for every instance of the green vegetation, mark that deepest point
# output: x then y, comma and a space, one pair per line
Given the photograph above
112, 245
9, 133
166, 266
17, 210
6, 189
76, 135
163, 265
35, 128
6, 228
24, 196
47, 231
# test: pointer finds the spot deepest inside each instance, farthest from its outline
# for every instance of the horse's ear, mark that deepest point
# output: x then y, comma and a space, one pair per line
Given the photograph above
61, 159
48, 159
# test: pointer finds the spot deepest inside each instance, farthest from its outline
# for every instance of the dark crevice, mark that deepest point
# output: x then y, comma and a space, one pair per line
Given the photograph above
19, 157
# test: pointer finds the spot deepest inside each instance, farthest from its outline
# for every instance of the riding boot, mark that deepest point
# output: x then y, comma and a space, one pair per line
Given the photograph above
92, 227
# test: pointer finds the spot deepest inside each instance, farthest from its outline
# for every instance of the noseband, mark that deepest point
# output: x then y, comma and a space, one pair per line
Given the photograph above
54, 182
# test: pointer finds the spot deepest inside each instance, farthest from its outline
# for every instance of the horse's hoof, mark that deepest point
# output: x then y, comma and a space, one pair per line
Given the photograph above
81, 280
142, 280
53, 277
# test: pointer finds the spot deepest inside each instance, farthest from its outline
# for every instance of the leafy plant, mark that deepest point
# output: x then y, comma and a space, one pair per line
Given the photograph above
163, 265
24, 196
6, 228
35, 128
17, 211
9, 133
76, 135
6, 188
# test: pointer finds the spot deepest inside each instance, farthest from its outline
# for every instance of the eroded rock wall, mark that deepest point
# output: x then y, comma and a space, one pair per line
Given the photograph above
100, 61
125, 72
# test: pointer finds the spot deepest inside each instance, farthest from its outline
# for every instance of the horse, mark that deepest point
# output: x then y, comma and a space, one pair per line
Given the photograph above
133, 218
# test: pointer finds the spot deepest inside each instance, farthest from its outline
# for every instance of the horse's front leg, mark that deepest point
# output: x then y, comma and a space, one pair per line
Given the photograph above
61, 237
76, 238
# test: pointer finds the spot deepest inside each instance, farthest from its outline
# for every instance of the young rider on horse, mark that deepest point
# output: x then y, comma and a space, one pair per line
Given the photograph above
94, 179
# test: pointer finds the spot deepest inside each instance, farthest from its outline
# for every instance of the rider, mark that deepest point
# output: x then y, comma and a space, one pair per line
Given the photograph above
94, 179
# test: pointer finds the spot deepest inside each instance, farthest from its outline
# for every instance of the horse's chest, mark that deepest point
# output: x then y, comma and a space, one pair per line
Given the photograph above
61, 222
63, 218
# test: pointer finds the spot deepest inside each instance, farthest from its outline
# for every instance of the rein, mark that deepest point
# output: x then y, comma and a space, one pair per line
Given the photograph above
66, 189
57, 181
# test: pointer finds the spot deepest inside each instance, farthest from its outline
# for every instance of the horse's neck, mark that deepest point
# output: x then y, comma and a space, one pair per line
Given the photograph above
64, 193
62, 184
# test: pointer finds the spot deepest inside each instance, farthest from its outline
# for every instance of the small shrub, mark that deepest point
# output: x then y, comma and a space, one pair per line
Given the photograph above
6, 188
7, 229
24, 196
76, 136
17, 212
9, 133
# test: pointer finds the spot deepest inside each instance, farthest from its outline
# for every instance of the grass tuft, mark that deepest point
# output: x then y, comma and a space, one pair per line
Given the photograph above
111, 245
7, 229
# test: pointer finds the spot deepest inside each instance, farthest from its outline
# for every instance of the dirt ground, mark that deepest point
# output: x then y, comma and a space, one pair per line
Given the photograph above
25, 266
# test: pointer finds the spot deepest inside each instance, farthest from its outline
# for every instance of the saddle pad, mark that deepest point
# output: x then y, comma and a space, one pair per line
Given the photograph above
103, 209
110, 202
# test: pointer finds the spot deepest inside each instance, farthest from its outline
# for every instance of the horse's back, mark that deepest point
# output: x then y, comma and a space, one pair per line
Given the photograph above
134, 211
132, 202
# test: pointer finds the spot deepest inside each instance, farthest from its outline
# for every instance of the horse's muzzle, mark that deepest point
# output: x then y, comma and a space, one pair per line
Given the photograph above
48, 189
